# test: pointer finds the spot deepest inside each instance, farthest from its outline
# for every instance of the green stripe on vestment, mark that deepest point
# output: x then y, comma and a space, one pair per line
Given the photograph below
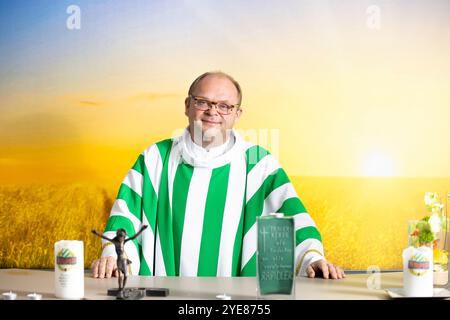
144, 268
307, 233
212, 221
132, 199
249, 269
139, 165
180, 190
292, 206
256, 202
237, 248
146, 206
164, 214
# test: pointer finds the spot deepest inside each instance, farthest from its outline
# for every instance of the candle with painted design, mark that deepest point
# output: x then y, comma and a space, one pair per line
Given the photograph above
69, 269
418, 271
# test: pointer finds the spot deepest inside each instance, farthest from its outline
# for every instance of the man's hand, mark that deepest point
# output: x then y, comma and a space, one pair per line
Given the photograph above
105, 267
324, 269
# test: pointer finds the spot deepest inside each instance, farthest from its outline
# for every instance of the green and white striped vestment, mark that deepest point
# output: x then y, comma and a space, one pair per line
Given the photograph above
202, 213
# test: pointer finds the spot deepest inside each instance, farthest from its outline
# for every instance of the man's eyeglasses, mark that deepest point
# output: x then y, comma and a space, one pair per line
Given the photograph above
203, 105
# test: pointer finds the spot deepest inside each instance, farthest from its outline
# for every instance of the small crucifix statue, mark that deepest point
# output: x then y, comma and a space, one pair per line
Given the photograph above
122, 261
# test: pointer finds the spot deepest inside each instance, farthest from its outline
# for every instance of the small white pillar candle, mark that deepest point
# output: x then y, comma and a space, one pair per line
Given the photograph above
418, 272
69, 269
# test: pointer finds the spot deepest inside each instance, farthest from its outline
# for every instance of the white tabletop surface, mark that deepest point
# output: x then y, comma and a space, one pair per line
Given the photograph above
354, 286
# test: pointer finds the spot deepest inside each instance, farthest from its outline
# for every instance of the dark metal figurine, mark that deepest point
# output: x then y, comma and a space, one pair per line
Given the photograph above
122, 261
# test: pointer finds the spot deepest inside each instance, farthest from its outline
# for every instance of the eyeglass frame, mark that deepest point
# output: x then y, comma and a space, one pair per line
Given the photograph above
211, 103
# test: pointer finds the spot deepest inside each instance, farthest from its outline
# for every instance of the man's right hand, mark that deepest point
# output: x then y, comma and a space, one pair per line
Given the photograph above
105, 267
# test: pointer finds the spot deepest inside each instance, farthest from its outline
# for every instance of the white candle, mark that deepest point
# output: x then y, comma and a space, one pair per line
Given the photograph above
69, 269
223, 297
418, 272
34, 296
9, 295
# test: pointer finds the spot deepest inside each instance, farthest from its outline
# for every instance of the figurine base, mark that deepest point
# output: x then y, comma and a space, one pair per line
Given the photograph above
149, 292
127, 293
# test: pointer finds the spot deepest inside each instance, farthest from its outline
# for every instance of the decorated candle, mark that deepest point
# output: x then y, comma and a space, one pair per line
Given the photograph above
418, 271
69, 269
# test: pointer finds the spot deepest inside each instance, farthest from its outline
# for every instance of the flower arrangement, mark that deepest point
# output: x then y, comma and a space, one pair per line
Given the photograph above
432, 230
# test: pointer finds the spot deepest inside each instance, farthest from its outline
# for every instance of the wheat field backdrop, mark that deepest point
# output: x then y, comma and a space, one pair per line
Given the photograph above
362, 220
34, 217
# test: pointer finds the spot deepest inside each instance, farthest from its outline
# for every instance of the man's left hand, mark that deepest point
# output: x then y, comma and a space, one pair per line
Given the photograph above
324, 269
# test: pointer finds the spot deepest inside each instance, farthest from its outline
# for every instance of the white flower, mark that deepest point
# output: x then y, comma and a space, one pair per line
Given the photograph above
432, 202
430, 199
435, 223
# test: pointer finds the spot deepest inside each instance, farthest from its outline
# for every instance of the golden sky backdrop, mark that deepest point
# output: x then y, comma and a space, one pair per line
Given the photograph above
340, 98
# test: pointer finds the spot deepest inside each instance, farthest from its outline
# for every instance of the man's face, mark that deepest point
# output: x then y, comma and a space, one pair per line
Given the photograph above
210, 123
